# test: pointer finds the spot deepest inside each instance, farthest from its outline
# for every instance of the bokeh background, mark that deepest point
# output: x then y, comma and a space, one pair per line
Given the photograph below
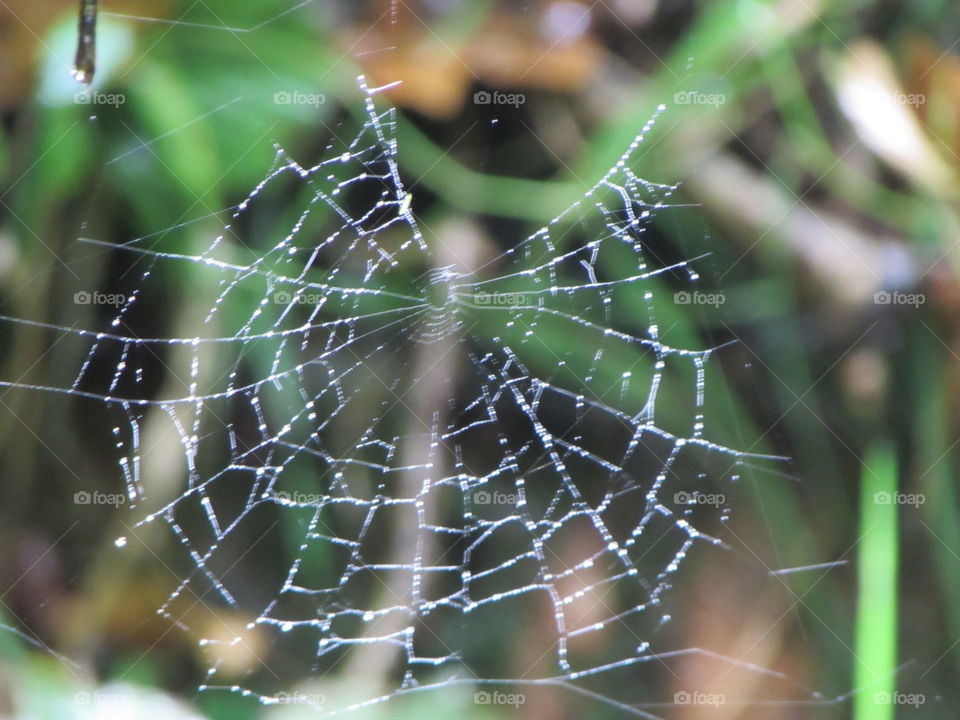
815, 144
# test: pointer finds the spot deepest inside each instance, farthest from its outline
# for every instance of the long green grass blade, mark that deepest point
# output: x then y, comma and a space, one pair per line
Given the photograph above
876, 626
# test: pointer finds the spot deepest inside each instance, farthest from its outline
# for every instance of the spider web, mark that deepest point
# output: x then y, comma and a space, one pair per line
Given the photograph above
392, 443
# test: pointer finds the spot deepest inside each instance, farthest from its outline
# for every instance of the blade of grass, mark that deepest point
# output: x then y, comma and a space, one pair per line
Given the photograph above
876, 625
